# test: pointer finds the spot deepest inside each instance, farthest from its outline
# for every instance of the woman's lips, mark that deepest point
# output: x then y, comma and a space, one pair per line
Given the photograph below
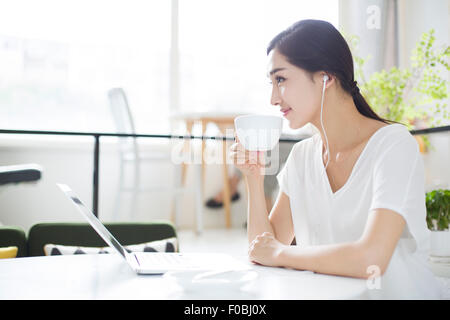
286, 111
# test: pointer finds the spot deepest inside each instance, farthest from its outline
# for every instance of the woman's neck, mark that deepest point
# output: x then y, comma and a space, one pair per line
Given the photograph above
345, 127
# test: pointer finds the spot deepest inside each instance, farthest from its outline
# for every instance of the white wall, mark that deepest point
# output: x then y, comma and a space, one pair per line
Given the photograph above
70, 161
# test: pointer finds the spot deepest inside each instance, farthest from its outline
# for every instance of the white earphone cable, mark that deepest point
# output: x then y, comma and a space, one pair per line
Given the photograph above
321, 120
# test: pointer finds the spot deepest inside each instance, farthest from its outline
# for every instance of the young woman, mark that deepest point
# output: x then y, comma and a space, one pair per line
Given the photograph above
353, 194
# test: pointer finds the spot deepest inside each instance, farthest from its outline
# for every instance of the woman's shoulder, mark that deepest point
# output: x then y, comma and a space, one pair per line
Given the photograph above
302, 151
398, 134
396, 139
306, 144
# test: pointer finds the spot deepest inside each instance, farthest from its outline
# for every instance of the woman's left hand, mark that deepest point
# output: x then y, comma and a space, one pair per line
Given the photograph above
265, 250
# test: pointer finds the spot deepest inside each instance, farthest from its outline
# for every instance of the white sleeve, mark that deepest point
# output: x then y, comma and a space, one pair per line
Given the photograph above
398, 179
285, 173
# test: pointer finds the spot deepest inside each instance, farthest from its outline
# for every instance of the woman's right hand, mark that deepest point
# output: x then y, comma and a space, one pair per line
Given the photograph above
250, 163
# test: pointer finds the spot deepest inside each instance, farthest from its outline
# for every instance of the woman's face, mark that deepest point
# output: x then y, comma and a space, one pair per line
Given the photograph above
293, 91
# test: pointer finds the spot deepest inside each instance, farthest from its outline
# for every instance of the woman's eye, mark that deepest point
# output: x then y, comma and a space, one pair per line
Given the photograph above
279, 79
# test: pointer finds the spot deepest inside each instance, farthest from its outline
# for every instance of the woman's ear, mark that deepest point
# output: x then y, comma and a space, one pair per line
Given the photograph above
329, 79
321, 76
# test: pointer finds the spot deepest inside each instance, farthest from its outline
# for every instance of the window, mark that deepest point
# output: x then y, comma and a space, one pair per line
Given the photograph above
223, 49
59, 57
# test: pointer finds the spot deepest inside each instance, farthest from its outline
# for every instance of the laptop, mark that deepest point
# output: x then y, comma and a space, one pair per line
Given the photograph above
156, 262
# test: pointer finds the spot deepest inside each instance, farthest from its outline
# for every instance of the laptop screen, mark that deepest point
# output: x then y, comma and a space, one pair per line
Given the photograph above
93, 220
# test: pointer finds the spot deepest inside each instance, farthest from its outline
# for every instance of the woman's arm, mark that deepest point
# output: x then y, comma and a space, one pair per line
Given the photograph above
251, 164
279, 222
281, 219
257, 216
375, 248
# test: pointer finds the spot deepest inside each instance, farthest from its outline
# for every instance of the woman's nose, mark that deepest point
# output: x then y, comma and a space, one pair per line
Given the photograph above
275, 97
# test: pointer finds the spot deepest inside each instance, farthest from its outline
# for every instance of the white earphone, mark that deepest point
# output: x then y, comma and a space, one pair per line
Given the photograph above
325, 79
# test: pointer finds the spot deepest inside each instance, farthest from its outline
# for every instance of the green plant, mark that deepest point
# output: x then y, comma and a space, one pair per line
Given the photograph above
404, 95
438, 209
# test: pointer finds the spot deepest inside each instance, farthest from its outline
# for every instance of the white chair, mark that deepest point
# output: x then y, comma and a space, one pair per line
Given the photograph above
130, 155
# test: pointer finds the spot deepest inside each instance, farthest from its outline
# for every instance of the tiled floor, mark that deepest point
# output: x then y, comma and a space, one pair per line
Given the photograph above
230, 241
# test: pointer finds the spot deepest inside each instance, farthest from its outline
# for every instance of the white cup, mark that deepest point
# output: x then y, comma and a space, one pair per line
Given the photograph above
258, 132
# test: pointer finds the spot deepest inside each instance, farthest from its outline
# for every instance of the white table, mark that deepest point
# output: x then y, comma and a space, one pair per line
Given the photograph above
109, 277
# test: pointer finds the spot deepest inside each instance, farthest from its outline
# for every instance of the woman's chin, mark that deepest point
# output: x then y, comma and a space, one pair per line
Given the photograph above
295, 124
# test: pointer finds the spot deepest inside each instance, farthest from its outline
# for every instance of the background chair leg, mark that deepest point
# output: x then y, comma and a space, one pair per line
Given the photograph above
134, 193
199, 198
226, 189
117, 201
178, 184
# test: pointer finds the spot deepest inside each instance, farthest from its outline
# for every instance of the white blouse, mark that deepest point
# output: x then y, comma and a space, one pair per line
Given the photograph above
389, 173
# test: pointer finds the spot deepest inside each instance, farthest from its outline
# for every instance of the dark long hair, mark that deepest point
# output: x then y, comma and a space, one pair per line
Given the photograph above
316, 45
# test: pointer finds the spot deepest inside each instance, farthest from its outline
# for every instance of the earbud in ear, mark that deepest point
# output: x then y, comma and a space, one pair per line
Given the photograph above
325, 78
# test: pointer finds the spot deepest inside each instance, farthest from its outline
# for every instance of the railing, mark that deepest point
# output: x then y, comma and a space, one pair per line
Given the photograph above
97, 135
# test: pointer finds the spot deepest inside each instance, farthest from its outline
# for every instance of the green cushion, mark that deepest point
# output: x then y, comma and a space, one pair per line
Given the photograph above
14, 236
82, 234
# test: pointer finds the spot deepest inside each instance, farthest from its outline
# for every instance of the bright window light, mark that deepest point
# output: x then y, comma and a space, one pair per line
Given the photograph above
223, 49
60, 57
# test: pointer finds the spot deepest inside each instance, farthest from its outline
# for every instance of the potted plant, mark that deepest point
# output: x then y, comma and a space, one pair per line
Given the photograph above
416, 95
438, 220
